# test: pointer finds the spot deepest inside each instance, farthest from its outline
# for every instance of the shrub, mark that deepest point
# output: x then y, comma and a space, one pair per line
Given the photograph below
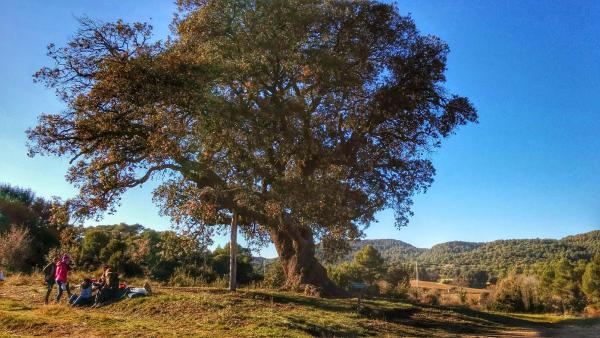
516, 293
462, 296
484, 299
431, 297
346, 273
182, 277
274, 276
15, 248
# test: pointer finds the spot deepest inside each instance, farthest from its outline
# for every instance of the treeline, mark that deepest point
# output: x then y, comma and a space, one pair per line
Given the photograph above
477, 264
161, 255
558, 285
33, 230
379, 276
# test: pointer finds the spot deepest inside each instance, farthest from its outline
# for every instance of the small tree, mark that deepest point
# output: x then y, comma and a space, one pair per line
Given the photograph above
344, 274
370, 262
274, 276
398, 275
591, 280
221, 263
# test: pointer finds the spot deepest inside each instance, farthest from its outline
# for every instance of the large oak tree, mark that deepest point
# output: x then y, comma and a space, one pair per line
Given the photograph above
306, 117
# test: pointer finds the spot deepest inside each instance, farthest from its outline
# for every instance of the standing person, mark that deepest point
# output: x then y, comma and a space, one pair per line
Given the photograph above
61, 276
67, 286
50, 277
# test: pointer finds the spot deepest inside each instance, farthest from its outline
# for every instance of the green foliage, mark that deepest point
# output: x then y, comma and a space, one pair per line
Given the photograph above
274, 276
369, 262
564, 291
477, 279
245, 270
591, 280
398, 275
467, 263
345, 274
20, 207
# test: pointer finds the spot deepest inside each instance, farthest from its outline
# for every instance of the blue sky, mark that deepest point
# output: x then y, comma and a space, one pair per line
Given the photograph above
528, 169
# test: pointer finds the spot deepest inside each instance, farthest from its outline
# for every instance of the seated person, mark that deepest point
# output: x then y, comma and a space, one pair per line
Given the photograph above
85, 295
102, 280
109, 291
139, 292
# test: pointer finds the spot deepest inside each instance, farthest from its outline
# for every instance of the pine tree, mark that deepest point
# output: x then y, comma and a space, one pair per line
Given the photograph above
591, 280
369, 260
567, 287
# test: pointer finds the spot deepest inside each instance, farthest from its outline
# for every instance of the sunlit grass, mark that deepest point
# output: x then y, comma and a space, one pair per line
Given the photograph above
215, 312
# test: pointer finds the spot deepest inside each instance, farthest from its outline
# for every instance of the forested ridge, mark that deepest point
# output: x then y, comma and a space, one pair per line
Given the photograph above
497, 257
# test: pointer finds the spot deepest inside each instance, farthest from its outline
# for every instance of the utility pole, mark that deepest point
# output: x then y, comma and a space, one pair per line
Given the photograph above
233, 252
417, 272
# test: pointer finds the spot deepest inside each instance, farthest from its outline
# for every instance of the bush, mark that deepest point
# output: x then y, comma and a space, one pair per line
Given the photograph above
462, 296
274, 276
182, 277
344, 274
431, 297
15, 248
484, 299
398, 276
516, 293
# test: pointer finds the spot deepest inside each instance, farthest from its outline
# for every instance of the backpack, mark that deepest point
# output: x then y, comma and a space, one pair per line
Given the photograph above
113, 280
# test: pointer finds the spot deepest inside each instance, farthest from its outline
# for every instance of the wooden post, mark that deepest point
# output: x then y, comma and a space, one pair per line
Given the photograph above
233, 252
417, 272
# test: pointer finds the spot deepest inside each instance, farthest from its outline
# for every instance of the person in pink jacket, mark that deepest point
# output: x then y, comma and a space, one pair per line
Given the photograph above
61, 276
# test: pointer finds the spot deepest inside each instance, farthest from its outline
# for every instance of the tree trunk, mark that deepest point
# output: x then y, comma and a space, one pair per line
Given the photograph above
233, 253
296, 249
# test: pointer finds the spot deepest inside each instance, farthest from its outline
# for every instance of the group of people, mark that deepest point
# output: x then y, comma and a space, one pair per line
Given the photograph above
106, 288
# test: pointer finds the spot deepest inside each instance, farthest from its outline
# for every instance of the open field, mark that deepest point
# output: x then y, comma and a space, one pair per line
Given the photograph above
261, 313
446, 287
450, 294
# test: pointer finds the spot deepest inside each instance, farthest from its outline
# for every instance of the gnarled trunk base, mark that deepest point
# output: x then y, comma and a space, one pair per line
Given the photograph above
296, 249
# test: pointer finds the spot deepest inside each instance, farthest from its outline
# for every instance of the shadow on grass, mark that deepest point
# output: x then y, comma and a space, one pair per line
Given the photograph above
414, 316
326, 304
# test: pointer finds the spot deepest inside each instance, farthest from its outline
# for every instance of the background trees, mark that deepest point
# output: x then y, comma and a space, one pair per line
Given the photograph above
15, 249
591, 280
305, 117
27, 228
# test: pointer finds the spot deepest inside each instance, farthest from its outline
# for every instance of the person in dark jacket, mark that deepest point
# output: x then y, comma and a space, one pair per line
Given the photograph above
49, 273
109, 290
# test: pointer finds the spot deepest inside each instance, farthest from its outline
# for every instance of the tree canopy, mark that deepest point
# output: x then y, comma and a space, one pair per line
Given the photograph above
305, 117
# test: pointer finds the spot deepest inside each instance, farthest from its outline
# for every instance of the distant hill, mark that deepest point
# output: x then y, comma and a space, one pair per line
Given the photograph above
390, 249
497, 257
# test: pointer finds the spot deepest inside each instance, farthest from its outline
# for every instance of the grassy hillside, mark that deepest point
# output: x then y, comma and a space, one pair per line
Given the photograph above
257, 313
